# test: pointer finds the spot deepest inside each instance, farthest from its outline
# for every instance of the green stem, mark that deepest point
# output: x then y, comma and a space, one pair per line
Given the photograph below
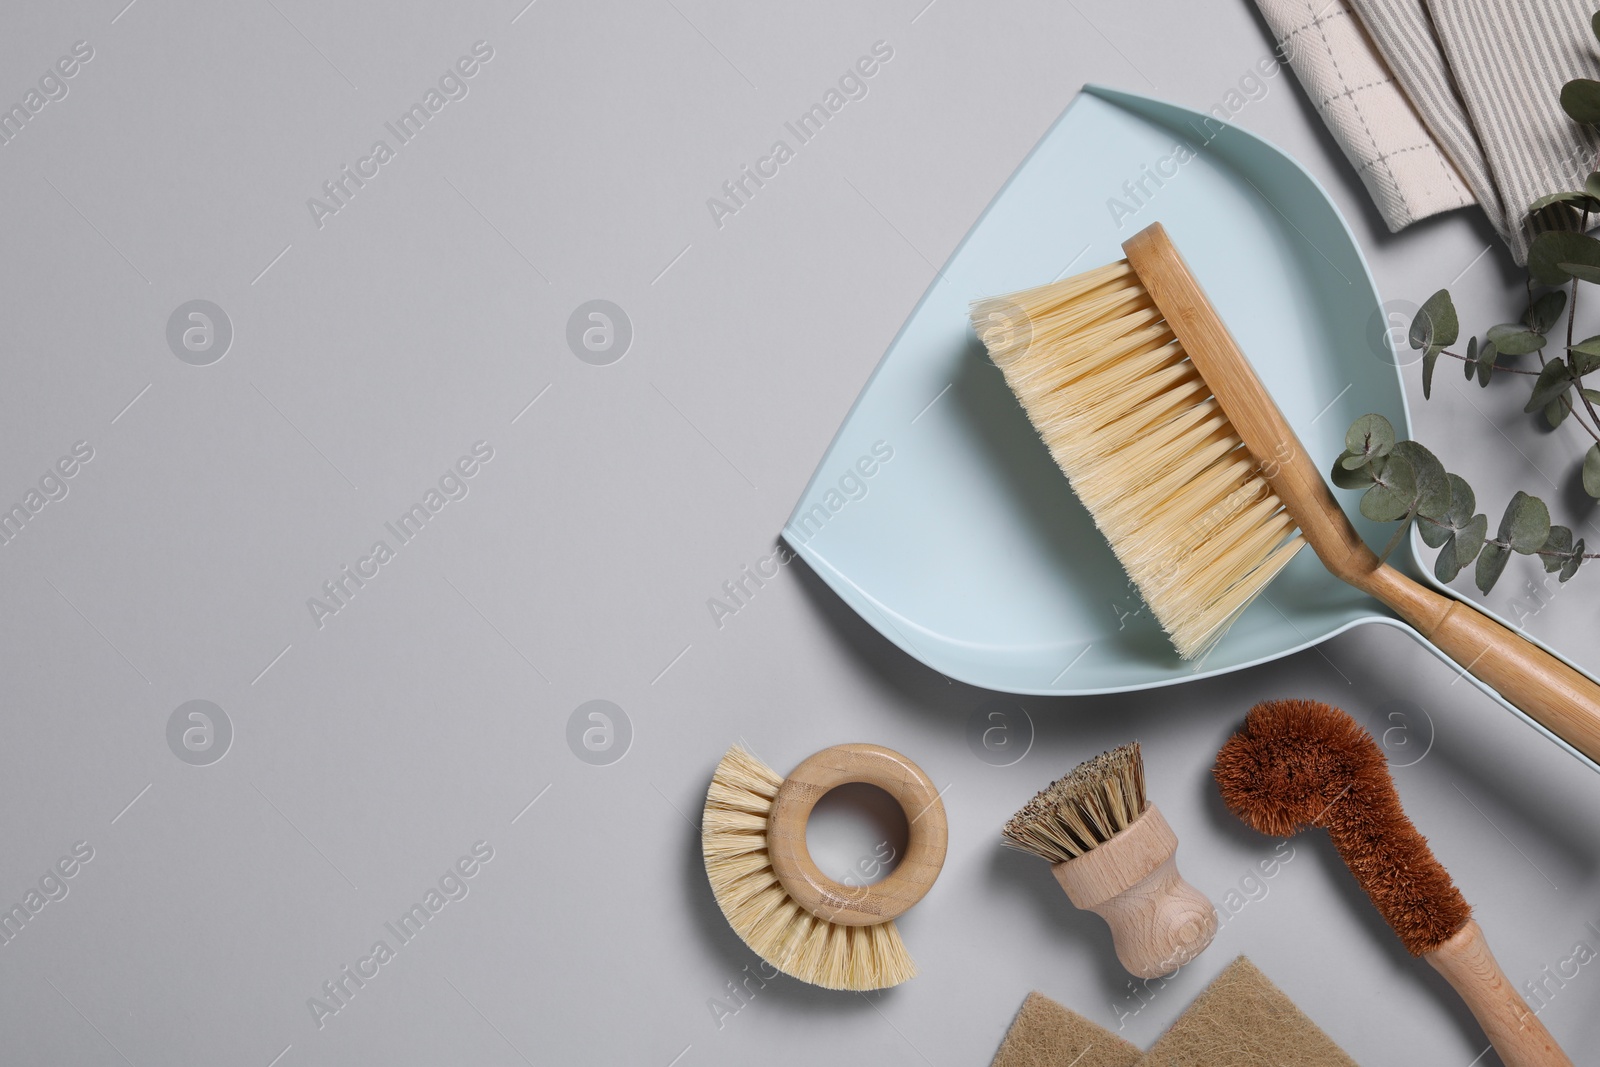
1502, 544
1572, 315
1497, 366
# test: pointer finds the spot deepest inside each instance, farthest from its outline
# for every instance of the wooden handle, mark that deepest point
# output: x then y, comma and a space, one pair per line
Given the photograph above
1515, 1031
1559, 698
1158, 921
863, 905
1553, 694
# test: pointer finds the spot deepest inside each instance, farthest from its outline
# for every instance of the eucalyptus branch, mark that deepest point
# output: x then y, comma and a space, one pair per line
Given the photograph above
1548, 553
1401, 481
1498, 369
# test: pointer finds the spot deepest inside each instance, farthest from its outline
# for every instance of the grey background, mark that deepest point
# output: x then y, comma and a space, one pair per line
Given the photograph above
368, 355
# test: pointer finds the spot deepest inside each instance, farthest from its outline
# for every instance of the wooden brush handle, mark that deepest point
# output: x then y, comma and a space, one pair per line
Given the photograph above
1515, 1031
1558, 697
1561, 699
1158, 921
913, 876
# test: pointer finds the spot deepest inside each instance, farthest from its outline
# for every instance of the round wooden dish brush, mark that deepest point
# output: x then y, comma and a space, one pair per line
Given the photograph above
1299, 763
1115, 855
795, 917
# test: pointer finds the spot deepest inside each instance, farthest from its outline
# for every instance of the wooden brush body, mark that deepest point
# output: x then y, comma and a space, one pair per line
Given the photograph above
1158, 921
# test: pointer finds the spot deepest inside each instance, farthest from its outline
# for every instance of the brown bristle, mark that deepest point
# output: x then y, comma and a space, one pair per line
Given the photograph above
1299, 763
1101, 797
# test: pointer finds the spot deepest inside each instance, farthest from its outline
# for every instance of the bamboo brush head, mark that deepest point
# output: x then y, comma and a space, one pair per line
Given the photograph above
1299, 763
736, 831
1098, 800
1145, 444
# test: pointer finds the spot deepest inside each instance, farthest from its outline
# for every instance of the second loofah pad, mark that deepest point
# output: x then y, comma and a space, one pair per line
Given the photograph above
1243, 1018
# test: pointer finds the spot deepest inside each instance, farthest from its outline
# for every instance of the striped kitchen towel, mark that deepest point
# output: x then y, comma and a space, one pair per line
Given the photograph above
1510, 59
1484, 78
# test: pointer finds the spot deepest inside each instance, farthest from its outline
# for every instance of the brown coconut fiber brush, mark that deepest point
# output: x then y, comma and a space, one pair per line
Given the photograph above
1200, 484
795, 917
1299, 763
1114, 854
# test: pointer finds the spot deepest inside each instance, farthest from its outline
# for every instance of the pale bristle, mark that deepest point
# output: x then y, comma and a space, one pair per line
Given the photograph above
733, 836
1088, 807
1146, 447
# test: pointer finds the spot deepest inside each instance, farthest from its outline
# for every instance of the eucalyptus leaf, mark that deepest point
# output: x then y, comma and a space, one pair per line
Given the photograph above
1462, 501
1553, 249
1429, 358
1370, 436
1354, 460
1457, 522
1393, 493
1491, 563
1580, 99
1591, 471
1526, 524
1513, 339
1470, 538
1553, 383
1578, 199
1584, 272
1435, 534
1433, 487
1574, 561
1591, 395
1358, 477
1594, 24
1435, 324
1446, 565
1486, 360
1556, 549
1555, 412
1585, 355
1543, 312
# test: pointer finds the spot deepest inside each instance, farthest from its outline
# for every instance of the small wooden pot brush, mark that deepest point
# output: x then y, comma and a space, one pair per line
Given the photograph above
1299, 763
795, 917
1200, 484
1115, 855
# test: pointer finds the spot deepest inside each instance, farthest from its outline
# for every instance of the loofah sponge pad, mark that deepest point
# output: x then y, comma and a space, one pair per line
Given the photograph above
1240, 1019
1044, 1034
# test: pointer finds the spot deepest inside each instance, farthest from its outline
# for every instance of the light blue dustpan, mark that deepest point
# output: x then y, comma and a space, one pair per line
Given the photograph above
938, 515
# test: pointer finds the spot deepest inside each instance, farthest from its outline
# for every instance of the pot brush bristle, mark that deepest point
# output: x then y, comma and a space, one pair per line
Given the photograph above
733, 837
1088, 807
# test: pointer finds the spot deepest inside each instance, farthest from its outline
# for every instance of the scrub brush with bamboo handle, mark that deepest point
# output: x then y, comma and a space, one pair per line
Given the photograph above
1299, 763
1200, 484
